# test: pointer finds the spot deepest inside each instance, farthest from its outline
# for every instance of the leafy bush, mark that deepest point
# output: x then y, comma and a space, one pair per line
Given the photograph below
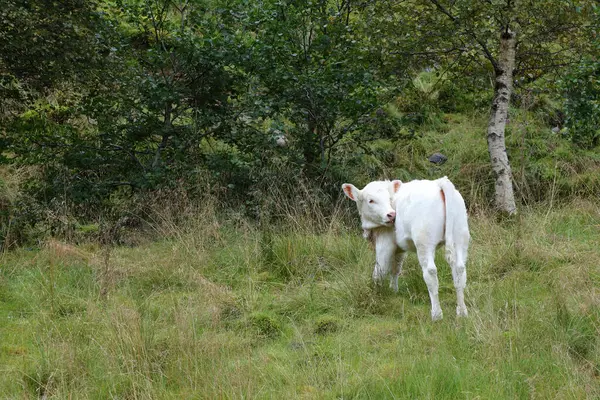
419, 101
582, 103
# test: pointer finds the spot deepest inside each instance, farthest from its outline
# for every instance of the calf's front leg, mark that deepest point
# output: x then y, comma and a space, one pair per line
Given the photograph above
385, 254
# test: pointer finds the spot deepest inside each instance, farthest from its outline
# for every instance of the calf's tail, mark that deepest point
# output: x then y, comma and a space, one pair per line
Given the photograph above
457, 226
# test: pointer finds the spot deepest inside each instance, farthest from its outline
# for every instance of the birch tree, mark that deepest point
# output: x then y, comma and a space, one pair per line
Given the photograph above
517, 40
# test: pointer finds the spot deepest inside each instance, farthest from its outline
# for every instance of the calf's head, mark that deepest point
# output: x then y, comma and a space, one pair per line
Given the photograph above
374, 202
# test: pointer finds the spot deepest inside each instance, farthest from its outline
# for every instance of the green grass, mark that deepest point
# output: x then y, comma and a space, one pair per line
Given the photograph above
233, 312
544, 165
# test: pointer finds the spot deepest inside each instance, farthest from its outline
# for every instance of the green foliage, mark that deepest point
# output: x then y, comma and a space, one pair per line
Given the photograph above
582, 103
547, 165
314, 68
113, 102
43, 44
135, 118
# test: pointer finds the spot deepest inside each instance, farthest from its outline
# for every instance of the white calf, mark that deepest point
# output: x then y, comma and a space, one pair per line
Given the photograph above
427, 214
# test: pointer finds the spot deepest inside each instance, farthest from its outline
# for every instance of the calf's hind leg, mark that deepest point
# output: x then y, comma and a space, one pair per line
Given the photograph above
426, 260
396, 271
459, 276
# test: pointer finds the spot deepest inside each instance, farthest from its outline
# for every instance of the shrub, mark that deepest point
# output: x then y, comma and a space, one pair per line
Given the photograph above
582, 103
266, 325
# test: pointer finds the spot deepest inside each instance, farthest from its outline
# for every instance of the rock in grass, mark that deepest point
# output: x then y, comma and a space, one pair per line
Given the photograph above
437, 158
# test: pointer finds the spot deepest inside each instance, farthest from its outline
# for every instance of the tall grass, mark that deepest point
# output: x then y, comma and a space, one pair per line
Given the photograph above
220, 308
546, 166
12, 180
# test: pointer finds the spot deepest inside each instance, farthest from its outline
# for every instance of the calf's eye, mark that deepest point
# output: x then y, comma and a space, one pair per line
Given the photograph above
371, 201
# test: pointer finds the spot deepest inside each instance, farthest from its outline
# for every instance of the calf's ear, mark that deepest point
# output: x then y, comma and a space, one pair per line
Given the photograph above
395, 184
351, 191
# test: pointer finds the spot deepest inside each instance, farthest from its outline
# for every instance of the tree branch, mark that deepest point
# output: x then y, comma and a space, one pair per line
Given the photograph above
166, 134
470, 32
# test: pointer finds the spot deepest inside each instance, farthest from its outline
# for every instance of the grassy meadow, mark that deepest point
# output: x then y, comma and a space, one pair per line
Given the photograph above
172, 224
227, 310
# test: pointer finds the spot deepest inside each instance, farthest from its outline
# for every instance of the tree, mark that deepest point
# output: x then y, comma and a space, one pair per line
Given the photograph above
581, 87
134, 117
173, 82
520, 41
316, 69
535, 38
43, 45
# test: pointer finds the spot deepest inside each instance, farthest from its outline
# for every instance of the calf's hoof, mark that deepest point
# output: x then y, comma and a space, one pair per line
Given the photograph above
437, 315
462, 312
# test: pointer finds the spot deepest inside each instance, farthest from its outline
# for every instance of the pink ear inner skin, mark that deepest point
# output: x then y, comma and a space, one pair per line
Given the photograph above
348, 191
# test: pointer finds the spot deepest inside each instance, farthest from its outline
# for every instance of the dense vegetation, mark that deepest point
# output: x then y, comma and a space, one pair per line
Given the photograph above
171, 219
106, 104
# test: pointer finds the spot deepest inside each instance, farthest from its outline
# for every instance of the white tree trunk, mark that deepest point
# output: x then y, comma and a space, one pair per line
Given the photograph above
504, 197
